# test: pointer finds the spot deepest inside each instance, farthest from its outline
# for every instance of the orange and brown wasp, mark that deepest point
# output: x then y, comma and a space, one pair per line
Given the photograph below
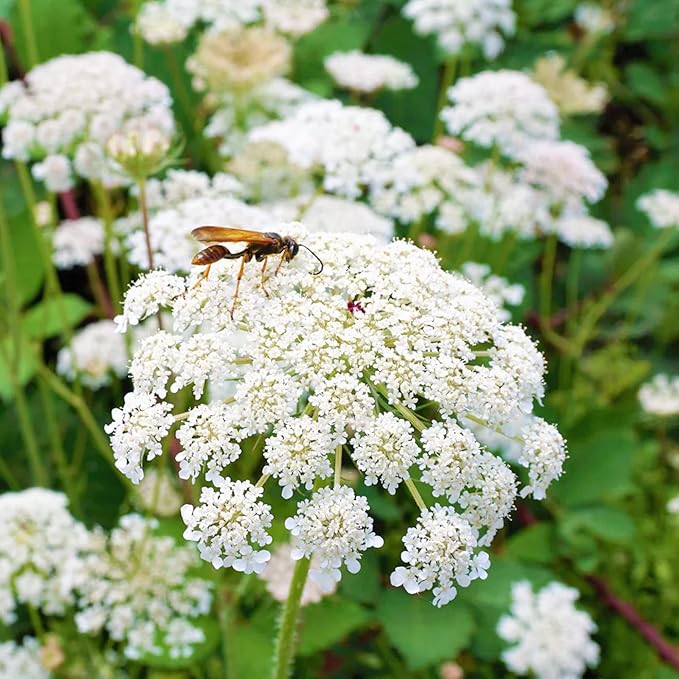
258, 245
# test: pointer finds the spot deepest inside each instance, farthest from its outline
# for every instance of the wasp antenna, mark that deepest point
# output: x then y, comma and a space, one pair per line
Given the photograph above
320, 261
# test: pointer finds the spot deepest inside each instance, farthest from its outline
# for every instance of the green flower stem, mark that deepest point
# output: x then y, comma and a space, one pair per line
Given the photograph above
4, 73
80, 406
137, 39
106, 213
36, 622
56, 444
143, 207
599, 308
338, 466
484, 423
287, 633
504, 252
410, 416
547, 280
29, 35
38, 470
410, 485
446, 81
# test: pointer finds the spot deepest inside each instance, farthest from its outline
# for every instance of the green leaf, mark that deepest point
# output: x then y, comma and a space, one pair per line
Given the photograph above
53, 316
533, 543
602, 522
253, 645
164, 658
63, 27
421, 632
364, 586
328, 622
645, 82
598, 467
647, 19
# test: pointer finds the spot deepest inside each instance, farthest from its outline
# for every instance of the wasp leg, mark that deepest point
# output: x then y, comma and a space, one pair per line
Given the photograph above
284, 258
246, 258
264, 290
202, 277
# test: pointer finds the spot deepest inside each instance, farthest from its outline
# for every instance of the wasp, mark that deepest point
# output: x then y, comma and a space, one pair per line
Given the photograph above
258, 245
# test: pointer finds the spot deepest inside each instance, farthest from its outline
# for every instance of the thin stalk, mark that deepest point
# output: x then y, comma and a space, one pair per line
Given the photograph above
410, 485
38, 471
410, 416
8, 476
36, 621
446, 82
598, 309
29, 34
143, 206
106, 213
338, 466
99, 290
80, 406
547, 280
4, 72
57, 447
137, 39
287, 634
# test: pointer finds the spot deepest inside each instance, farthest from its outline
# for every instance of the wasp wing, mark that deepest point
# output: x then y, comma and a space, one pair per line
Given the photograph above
226, 234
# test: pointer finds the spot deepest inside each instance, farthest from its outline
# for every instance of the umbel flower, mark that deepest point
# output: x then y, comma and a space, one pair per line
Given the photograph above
376, 361
41, 545
138, 587
22, 660
369, 72
68, 135
552, 638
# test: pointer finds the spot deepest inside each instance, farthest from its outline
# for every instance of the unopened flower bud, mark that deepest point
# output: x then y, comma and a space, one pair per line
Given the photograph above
139, 152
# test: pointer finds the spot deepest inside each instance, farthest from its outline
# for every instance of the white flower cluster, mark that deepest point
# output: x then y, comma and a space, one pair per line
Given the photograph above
548, 185
661, 208
137, 586
501, 108
237, 114
430, 180
278, 575
352, 147
660, 396
40, 547
552, 637
368, 73
169, 21
333, 215
594, 18
333, 363
457, 23
499, 289
22, 661
76, 242
95, 354
68, 135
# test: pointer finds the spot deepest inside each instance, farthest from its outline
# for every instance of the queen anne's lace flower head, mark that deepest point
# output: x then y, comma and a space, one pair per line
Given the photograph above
501, 108
661, 208
105, 95
159, 25
229, 524
137, 586
439, 553
660, 396
361, 72
76, 242
40, 547
334, 527
552, 638
427, 180
95, 354
22, 661
583, 231
352, 147
330, 369
457, 23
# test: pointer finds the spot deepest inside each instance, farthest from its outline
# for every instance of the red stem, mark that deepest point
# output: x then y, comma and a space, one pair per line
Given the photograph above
625, 610
69, 204
7, 40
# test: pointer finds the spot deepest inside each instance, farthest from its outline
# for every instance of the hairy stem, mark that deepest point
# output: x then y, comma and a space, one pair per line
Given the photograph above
287, 634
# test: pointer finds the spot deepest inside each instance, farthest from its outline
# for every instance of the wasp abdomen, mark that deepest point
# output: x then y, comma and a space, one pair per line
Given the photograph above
210, 255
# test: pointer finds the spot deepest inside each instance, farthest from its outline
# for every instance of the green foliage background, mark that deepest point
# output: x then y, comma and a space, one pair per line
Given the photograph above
606, 517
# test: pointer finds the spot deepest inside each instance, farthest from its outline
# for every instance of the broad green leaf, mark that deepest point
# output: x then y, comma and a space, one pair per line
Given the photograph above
648, 19
364, 586
534, 543
597, 468
328, 622
53, 316
422, 633
165, 659
253, 643
63, 27
602, 522
645, 82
